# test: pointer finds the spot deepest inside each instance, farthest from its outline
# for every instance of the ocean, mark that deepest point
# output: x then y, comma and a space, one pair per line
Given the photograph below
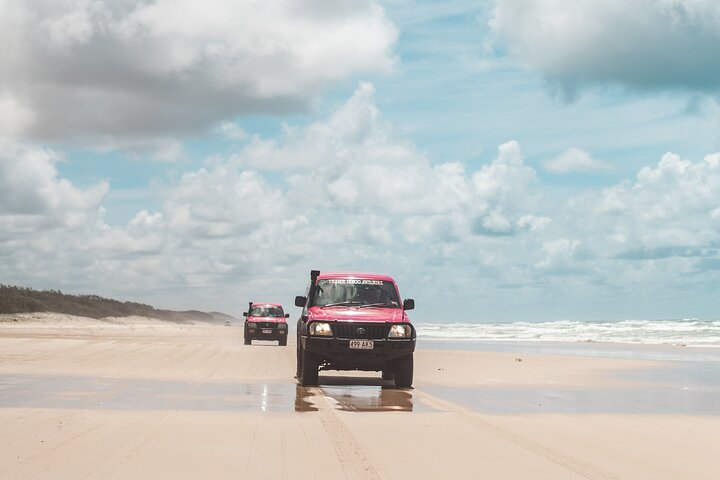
689, 332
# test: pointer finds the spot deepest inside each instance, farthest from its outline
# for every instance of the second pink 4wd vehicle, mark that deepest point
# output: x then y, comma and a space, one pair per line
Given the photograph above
354, 321
265, 321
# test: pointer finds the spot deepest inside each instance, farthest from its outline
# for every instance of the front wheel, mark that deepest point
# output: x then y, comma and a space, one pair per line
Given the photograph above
403, 370
282, 342
309, 368
248, 340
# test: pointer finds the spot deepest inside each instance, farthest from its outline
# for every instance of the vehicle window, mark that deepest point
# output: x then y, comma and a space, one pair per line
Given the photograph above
355, 292
265, 311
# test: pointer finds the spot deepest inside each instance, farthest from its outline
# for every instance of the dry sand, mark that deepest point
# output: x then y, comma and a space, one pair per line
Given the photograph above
82, 399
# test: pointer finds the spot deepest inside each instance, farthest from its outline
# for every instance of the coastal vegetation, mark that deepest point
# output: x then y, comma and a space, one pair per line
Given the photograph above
14, 299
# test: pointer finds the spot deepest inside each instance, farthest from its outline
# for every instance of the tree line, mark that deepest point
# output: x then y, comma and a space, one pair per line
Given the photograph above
15, 299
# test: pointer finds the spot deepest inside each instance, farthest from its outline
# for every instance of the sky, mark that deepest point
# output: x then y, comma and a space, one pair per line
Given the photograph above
503, 160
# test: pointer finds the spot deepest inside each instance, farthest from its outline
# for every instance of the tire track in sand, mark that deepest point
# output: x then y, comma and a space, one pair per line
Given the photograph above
584, 469
142, 439
349, 453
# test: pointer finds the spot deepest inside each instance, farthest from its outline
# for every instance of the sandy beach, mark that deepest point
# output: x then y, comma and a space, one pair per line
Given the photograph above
147, 399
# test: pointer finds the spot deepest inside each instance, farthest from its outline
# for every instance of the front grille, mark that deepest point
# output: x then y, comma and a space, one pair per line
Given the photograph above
367, 331
266, 324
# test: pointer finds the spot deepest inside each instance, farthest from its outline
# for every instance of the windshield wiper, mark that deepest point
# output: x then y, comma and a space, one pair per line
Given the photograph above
338, 304
382, 304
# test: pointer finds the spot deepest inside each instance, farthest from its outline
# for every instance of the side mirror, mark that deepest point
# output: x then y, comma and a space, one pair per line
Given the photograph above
244, 314
287, 315
300, 301
408, 304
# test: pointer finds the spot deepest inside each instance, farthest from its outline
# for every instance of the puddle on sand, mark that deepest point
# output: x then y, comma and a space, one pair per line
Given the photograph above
675, 388
359, 394
370, 399
356, 399
96, 393
646, 400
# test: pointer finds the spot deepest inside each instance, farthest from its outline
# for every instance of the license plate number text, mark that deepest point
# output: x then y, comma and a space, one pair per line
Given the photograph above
362, 344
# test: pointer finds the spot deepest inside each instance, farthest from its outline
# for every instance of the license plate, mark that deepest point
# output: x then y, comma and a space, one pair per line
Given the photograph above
267, 330
362, 344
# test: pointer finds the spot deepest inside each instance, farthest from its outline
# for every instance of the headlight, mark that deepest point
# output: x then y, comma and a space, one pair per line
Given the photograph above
321, 329
252, 325
399, 331
282, 326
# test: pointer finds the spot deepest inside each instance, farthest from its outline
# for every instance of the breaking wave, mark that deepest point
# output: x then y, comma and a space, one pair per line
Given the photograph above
686, 332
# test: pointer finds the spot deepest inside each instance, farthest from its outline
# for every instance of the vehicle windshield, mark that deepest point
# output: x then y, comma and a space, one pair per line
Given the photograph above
352, 291
266, 311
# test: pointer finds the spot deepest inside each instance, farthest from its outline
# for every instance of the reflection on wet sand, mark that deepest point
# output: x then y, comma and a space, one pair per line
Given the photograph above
95, 393
355, 395
689, 387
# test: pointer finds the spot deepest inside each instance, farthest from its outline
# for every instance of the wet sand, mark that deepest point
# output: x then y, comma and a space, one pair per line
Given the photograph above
84, 399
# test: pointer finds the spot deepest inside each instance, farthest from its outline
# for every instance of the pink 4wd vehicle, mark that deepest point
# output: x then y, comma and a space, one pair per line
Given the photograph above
354, 321
265, 321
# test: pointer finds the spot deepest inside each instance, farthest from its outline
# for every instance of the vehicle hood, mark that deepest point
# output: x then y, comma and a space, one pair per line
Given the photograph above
266, 319
357, 314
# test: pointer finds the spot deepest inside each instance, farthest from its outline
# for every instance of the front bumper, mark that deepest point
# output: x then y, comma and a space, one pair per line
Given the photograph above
337, 354
261, 333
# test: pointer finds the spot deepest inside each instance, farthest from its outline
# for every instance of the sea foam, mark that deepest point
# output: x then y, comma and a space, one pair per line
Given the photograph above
686, 332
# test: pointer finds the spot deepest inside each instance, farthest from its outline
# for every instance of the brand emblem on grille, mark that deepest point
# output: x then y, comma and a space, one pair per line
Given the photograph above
360, 331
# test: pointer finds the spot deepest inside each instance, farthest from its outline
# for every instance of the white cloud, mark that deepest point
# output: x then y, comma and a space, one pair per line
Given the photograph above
641, 44
14, 117
506, 176
534, 223
666, 212
363, 197
169, 152
359, 196
574, 160
356, 124
559, 254
221, 202
496, 223
233, 131
103, 70
356, 161
33, 198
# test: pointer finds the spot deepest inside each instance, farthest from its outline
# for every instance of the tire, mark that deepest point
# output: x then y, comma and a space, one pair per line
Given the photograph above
387, 374
308, 369
403, 370
282, 342
248, 340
